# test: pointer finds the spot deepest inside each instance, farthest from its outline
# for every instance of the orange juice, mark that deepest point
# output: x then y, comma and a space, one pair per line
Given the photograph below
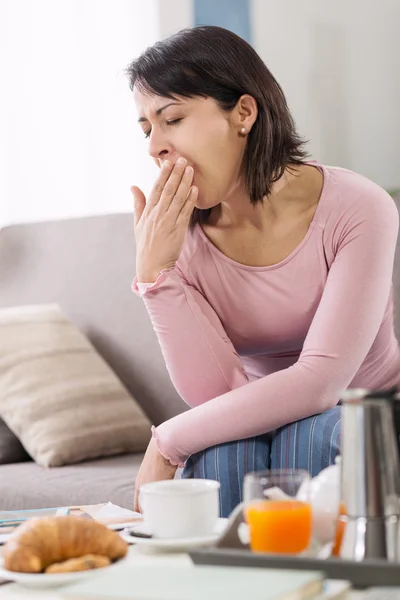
282, 526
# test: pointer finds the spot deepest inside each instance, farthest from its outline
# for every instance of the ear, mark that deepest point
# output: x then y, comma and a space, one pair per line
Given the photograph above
245, 113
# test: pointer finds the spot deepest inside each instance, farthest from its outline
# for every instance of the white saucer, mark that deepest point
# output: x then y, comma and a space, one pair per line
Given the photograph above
173, 544
50, 580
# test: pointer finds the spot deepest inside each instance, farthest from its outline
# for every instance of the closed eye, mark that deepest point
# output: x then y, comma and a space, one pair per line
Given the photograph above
173, 121
169, 123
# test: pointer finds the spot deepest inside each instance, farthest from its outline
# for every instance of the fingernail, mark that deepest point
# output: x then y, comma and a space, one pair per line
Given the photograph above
166, 165
181, 161
189, 170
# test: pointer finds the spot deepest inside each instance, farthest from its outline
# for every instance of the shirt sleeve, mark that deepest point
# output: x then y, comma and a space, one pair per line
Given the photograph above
201, 360
342, 332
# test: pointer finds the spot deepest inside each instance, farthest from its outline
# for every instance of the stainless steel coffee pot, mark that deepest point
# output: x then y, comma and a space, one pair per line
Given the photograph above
370, 475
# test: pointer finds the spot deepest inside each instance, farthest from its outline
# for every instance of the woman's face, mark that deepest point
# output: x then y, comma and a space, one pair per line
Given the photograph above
197, 129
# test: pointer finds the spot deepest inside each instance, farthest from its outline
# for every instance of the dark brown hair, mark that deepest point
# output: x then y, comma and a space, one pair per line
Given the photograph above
214, 62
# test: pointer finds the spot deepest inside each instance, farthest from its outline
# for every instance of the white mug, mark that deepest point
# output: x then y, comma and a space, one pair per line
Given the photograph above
180, 508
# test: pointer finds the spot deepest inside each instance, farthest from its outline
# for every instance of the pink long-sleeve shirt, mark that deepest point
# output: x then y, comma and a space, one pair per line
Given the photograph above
253, 348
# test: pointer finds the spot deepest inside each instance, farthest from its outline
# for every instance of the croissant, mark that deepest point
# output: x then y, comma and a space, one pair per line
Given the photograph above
40, 542
84, 563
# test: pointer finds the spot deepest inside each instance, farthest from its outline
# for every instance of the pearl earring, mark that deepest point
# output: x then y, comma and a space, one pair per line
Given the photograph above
243, 130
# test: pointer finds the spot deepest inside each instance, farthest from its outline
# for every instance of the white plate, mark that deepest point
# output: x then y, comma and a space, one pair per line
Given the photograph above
173, 543
50, 580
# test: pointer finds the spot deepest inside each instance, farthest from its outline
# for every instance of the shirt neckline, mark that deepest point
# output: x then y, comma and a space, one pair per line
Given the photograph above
311, 227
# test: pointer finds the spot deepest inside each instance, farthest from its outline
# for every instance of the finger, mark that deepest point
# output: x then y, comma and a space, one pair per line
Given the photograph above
159, 185
187, 208
172, 184
136, 507
139, 203
182, 193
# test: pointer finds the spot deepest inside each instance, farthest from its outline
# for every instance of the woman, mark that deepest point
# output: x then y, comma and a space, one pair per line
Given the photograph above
267, 277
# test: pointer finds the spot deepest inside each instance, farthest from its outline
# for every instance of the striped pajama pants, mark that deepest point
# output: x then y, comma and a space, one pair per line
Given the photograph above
311, 444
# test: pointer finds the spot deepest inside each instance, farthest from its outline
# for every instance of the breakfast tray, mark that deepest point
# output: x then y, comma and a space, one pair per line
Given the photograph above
360, 574
231, 551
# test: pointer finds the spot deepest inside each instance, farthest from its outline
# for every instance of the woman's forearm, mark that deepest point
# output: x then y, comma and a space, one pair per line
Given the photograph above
199, 356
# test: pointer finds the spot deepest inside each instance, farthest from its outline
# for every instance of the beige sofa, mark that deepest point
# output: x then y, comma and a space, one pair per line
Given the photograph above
86, 265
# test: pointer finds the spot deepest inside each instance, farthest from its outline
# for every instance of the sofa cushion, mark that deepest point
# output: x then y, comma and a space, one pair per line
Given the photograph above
58, 395
11, 449
27, 485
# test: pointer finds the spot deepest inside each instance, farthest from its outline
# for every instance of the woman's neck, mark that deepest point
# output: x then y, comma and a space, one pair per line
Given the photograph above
297, 190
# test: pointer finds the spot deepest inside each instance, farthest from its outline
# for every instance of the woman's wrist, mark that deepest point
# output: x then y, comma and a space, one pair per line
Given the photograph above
146, 273
150, 275
156, 440
146, 276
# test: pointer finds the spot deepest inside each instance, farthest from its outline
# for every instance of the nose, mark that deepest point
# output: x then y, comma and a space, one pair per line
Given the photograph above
159, 145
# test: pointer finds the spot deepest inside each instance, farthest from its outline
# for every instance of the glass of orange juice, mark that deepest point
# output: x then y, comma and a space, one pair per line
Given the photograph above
278, 520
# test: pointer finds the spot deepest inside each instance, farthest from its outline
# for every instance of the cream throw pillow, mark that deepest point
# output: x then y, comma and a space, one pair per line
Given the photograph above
58, 395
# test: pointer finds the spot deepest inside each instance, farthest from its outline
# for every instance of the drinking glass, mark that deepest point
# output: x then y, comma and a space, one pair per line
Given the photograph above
278, 510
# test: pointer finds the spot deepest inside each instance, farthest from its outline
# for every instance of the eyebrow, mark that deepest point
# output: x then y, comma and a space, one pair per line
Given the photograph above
159, 110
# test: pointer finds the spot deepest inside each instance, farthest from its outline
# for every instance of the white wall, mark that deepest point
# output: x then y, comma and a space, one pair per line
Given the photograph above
174, 15
69, 141
339, 65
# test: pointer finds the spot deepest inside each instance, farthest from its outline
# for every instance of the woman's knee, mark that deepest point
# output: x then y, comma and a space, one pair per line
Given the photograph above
228, 459
311, 444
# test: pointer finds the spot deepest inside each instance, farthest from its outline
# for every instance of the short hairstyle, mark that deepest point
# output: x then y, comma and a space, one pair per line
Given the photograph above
213, 62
